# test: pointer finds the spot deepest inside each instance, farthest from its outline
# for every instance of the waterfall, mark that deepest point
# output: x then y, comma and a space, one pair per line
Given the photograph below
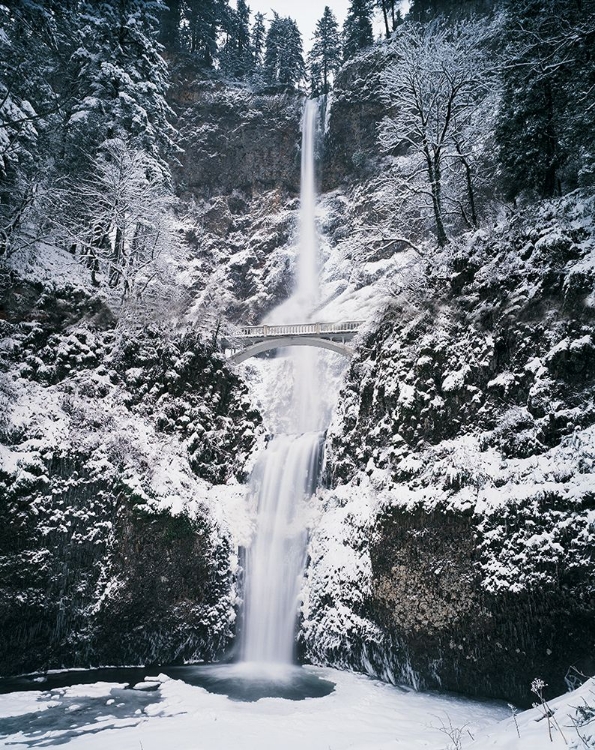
288, 470
287, 475
307, 274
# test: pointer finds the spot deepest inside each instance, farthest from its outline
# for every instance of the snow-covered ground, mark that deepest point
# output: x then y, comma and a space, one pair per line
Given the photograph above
566, 722
360, 713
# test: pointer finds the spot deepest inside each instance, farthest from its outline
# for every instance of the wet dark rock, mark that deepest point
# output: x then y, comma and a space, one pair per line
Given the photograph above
429, 600
94, 568
90, 577
356, 109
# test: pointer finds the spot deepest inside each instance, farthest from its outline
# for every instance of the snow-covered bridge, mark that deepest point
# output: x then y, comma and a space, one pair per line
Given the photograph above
252, 340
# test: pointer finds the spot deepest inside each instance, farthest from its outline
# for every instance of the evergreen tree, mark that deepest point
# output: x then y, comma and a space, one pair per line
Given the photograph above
325, 56
284, 57
258, 37
121, 81
236, 56
357, 29
390, 14
75, 75
35, 41
171, 20
428, 10
202, 22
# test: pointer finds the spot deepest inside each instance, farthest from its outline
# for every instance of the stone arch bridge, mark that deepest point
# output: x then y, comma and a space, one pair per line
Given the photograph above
253, 340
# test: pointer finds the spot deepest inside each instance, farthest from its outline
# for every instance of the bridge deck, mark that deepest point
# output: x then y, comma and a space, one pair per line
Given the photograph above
343, 331
253, 340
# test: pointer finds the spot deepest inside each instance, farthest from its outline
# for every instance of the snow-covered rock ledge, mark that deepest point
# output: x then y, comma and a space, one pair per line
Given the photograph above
457, 547
120, 454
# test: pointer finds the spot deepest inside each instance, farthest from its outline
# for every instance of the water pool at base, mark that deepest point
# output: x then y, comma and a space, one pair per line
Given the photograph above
251, 682
239, 682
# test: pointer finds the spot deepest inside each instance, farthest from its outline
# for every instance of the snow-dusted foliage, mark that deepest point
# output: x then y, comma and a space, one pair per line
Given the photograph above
116, 218
335, 627
440, 91
83, 125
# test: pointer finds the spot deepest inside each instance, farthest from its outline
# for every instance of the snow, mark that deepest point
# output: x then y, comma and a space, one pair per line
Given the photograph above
454, 381
44, 262
533, 725
360, 713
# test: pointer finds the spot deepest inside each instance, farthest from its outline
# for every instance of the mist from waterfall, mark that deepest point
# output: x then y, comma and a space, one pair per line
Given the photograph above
287, 472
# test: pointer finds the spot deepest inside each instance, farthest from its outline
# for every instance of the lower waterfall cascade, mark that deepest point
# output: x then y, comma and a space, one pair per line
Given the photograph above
286, 476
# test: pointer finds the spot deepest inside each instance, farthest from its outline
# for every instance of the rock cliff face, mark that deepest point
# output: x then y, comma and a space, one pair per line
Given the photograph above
235, 141
238, 177
355, 109
455, 548
111, 435
110, 439
468, 415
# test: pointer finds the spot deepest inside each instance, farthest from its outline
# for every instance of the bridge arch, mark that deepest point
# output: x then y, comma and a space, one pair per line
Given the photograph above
283, 341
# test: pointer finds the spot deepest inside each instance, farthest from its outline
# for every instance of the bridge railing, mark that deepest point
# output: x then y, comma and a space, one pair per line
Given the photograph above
298, 329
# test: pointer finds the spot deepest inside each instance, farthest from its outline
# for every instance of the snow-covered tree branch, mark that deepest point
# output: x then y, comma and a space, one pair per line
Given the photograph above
116, 219
436, 89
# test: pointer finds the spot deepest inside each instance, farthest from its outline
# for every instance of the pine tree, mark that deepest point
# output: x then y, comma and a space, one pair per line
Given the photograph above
325, 56
171, 20
357, 29
390, 14
284, 57
35, 41
428, 10
203, 21
121, 82
74, 75
236, 57
258, 37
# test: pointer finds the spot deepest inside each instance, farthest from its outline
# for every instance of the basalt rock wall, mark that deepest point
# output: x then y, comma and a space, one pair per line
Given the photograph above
233, 139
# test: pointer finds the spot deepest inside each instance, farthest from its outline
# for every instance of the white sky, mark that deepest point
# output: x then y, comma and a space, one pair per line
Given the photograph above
304, 13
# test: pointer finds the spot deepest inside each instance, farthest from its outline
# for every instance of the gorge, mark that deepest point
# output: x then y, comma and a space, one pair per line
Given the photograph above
302, 548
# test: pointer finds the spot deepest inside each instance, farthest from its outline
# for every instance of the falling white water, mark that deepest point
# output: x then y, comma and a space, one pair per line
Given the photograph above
287, 473
287, 476
307, 407
306, 293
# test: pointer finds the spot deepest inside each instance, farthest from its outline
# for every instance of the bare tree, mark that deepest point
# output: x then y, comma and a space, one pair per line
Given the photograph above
435, 88
116, 219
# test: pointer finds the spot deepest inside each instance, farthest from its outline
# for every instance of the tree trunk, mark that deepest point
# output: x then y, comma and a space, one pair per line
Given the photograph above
170, 25
551, 146
392, 14
385, 15
117, 258
469, 182
435, 176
